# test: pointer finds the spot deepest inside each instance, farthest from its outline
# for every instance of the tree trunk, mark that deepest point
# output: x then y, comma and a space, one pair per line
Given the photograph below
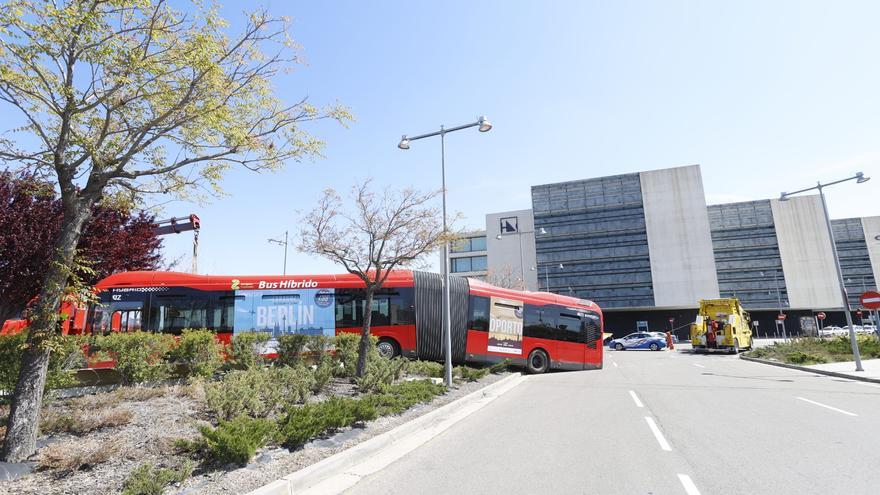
27, 399
364, 347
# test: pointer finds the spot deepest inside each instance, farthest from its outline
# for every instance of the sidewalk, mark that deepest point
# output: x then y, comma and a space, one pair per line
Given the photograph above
871, 367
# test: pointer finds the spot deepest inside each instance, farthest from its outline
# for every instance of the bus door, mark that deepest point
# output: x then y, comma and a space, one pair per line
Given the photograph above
571, 348
126, 317
118, 316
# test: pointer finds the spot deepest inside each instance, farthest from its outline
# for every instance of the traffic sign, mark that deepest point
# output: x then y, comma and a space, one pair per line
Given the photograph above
671, 319
820, 315
859, 313
780, 316
871, 300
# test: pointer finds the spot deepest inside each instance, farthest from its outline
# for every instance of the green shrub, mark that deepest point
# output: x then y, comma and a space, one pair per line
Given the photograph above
799, 357
500, 367
140, 356
425, 368
469, 374
65, 358
319, 346
346, 345
258, 392
245, 349
397, 398
322, 375
147, 480
198, 352
380, 372
236, 441
290, 349
313, 420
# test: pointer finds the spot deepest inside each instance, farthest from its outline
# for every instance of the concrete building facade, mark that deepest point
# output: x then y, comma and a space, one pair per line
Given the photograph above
646, 247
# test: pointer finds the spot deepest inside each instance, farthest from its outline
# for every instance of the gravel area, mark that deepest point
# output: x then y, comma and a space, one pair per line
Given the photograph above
108, 455
273, 463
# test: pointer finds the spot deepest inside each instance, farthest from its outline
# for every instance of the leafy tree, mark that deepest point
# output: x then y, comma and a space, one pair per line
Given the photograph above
30, 220
378, 234
119, 98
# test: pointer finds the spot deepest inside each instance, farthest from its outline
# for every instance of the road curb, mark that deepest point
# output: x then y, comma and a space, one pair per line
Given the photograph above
344, 469
811, 370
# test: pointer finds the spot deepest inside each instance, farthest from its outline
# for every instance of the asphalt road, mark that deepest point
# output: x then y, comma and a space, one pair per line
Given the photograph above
657, 423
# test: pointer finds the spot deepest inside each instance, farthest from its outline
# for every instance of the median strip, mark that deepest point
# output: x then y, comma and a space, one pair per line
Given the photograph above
841, 411
657, 434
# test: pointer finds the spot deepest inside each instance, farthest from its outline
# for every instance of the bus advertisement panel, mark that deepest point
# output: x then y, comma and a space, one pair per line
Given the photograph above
505, 326
281, 312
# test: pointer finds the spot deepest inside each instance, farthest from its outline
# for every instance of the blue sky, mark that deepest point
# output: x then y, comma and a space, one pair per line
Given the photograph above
765, 96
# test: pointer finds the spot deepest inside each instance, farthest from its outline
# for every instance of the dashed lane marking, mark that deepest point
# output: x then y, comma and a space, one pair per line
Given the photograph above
658, 434
614, 363
699, 365
841, 411
689, 487
636, 399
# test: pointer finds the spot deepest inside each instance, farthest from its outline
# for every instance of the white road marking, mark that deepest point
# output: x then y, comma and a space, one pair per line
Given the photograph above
657, 434
841, 411
699, 365
614, 363
636, 399
688, 484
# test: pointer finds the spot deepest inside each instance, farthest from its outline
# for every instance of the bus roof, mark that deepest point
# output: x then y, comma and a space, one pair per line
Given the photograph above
397, 278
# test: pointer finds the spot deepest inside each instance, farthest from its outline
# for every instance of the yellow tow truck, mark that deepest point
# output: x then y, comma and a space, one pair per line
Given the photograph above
721, 325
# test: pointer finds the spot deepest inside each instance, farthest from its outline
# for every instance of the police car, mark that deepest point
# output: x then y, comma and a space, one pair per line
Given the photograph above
638, 340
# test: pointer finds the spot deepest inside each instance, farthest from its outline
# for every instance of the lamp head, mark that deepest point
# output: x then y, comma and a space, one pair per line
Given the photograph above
561, 266
860, 178
498, 237
485, 126
542, 231
404, 143
783, 197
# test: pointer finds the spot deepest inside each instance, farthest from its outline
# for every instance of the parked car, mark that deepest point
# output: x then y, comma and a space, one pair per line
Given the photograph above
639, 340
662, 335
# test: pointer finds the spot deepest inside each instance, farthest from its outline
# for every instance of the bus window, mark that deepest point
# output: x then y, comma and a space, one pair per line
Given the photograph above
539, 322
478, 313
126, 320
569, 328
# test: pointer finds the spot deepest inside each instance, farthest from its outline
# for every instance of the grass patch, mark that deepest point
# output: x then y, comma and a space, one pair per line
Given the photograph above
79, 454
813, 350
84, 421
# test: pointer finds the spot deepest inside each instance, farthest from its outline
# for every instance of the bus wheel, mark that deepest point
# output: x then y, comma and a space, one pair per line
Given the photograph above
388, 348
538, 362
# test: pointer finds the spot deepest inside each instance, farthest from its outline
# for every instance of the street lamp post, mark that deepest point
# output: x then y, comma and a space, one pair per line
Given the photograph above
779, 303
547, 276
522, 263
282, 243
859, 178
484, 126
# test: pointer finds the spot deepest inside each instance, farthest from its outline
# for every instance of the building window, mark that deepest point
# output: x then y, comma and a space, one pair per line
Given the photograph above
469, 244
469, 264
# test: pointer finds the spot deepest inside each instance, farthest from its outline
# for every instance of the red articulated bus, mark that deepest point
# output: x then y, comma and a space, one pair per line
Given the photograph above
537, 330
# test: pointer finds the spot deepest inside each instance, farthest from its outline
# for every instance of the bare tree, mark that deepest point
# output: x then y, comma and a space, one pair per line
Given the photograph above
506, 278
117, 99
380, 232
